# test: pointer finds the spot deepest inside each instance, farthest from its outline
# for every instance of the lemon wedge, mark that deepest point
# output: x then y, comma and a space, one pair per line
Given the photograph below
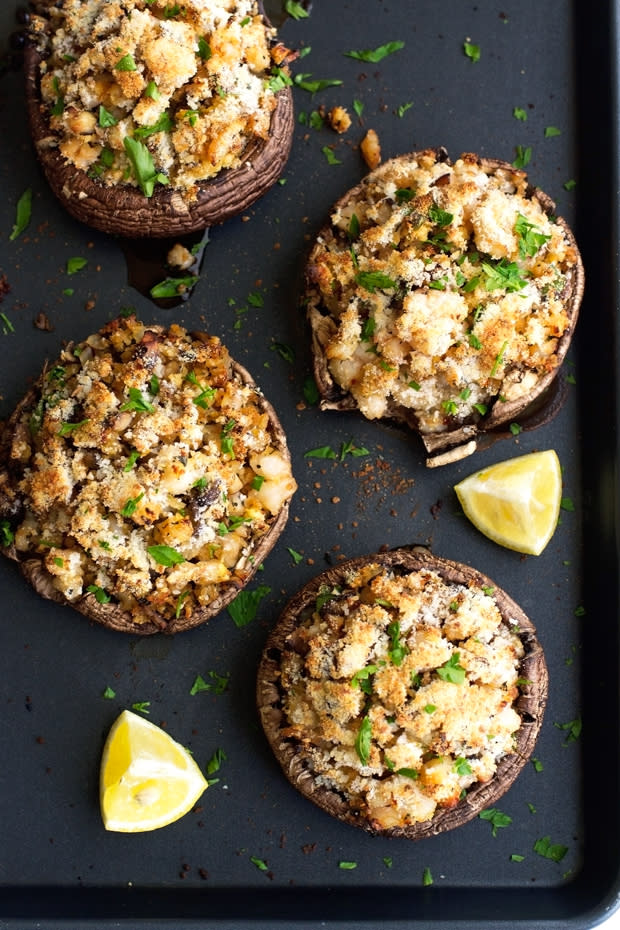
147, 780
515, 503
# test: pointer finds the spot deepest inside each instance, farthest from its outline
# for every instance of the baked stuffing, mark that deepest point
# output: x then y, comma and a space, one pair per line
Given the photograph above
152, 92
440, 291
392, 689
144, 473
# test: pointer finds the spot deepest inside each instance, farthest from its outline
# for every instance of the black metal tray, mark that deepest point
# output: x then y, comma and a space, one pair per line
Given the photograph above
58, 867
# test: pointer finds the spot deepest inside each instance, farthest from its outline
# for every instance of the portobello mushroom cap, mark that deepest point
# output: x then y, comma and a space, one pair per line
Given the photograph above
294, 741
123, 210
521, 391
147, 605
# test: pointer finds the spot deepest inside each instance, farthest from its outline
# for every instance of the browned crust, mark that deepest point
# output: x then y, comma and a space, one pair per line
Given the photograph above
112, 615
290, 754
465, 438
125, 211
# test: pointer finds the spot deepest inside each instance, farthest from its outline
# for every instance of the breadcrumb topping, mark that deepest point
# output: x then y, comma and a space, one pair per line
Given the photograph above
188, 82
400, 689
146, 471
440, 288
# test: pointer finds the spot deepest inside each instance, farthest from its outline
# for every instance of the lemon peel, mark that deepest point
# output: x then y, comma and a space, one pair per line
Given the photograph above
147, 780
516, 503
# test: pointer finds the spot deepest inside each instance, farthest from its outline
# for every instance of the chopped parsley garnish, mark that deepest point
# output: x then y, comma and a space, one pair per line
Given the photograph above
495, 818
572, 729
215, 763
66, 429
375, 54
322, 452
402, 109
126, 63
206, 393
439, 217
462, 766
301, 80
284, 351
551, 131
143, 166
519, 113
530, 239
297, 557
330, 156
137, 402
279, 80
295, 9
22, 214
523, 156
76, 264
451, 670
217, 685
260, 864
554, 851
354, 227
142, 707
404, 194
347, 865
204, 49
398, 650
374, 280
6, 533
109, 693
244, 607
152, 91
165, 555
106, 118
163, 124
427, 877
472, 51
362, 740
131, 505
101, 596
503, 274
361, 679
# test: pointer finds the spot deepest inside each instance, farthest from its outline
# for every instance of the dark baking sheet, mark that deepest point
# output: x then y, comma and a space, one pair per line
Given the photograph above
58, 867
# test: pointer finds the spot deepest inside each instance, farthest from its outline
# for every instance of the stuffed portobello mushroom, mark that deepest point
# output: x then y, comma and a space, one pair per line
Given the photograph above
443, 295
402, 693
154, 119
143, 478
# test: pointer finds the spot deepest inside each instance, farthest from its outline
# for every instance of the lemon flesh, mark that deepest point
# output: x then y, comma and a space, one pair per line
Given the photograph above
515, 503
147, 780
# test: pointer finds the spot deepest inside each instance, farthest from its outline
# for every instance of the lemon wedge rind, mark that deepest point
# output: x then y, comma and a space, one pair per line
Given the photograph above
516, 503
147, 779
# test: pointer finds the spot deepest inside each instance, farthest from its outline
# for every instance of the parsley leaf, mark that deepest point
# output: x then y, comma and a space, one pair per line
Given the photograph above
503, 274
530, 239
373, 280
472, 51
301, 80
172, 287
22, 214
244, 607
555, 851
451, 670
375, 54
295, 10
137, 402
495, 818
362, 740
143, 166
165, 555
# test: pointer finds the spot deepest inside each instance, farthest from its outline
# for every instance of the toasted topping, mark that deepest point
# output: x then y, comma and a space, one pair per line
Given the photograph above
135, 470
150, 92
400, 689
444, 287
